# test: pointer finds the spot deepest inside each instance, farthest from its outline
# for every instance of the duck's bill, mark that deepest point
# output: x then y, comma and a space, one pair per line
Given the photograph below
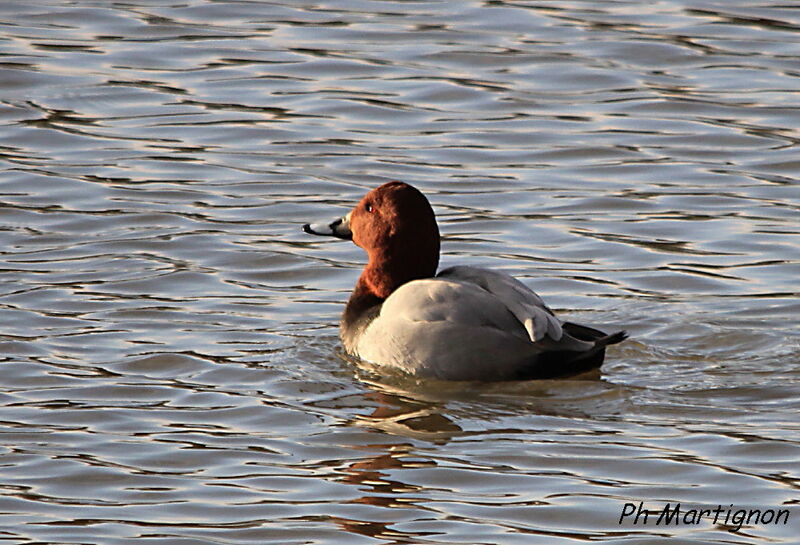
338, 228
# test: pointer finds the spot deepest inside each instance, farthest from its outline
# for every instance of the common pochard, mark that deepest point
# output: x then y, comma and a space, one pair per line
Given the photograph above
464, 323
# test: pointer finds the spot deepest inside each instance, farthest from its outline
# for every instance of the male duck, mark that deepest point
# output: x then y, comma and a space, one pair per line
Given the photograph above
464, 323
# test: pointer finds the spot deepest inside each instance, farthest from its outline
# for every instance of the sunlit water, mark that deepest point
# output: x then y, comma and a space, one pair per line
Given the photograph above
171, 369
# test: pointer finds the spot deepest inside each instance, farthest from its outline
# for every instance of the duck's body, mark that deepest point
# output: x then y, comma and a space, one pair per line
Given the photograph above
464, 323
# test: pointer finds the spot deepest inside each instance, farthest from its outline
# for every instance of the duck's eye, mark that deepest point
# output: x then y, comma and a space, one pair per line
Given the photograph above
368, 208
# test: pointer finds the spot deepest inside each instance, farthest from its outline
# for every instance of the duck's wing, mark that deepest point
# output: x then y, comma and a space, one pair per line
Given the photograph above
539, 321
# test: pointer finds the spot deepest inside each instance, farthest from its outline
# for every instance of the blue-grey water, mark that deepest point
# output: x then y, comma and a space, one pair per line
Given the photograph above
171, 372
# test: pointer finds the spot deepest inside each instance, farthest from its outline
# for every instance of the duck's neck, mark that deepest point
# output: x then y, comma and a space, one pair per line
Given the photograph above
379, 279
361, 309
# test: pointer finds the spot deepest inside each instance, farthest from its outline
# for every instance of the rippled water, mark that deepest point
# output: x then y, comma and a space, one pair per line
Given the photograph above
171, 369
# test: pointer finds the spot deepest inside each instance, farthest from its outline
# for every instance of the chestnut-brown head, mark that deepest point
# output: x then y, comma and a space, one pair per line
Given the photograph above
396, 226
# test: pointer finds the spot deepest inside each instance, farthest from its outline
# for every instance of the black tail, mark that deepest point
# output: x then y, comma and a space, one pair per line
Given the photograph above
614, 338
563, 363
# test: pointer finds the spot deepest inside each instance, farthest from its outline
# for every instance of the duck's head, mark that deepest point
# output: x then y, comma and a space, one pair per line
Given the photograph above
396, 226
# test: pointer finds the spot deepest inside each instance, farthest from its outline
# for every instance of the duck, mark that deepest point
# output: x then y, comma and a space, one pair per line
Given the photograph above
463, 323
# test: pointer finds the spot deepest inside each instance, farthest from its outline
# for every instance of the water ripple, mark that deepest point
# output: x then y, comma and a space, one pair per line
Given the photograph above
168, 335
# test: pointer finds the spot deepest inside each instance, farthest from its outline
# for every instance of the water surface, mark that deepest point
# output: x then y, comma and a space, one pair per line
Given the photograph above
171, 369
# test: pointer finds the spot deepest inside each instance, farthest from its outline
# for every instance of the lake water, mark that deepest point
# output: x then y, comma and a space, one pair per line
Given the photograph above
171, 368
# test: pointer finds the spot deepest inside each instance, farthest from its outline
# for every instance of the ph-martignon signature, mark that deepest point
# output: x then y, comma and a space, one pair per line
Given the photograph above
677, 515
